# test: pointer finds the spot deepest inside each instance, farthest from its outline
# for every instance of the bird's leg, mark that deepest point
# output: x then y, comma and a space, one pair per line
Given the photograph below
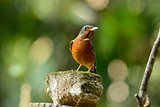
89, 68
79, 67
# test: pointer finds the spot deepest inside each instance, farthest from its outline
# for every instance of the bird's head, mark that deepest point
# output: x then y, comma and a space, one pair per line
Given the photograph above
87, 31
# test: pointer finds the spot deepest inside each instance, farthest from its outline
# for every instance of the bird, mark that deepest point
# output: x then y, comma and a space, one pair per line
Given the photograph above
82, 48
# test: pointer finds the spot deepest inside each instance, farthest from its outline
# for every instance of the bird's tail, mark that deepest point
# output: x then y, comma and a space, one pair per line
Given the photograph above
94, 69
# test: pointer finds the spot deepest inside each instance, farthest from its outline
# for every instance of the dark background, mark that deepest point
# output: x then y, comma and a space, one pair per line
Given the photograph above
35, 37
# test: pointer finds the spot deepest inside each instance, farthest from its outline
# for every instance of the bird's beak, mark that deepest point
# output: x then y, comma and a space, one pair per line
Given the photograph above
91, 31
94, 28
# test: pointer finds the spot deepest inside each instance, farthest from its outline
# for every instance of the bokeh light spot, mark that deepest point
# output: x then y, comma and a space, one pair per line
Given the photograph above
25, 95
97, 4
44, 9
81, 13
41, 50
118, 91
15, 70
117, 70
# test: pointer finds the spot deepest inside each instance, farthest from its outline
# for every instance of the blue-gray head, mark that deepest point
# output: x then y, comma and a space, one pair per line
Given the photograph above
88, 28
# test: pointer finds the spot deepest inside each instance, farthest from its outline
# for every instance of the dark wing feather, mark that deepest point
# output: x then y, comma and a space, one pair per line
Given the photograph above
71, 43
93, 50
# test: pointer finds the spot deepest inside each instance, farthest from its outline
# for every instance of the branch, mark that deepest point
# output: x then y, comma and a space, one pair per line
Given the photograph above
144, 84
41, 105
140, 104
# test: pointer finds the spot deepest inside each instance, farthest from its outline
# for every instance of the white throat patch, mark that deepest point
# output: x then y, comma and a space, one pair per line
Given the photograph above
86, 39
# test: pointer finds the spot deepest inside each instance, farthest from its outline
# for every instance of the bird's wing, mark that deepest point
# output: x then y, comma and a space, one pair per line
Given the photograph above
93, 50
71, 43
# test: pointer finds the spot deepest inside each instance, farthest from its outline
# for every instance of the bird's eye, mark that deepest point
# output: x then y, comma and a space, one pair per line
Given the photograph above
86, 28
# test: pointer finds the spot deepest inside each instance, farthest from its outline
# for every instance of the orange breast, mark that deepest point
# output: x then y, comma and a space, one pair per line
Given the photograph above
82, 52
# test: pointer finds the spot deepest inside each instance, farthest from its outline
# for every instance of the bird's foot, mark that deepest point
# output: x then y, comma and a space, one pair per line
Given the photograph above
89, 69
79, 67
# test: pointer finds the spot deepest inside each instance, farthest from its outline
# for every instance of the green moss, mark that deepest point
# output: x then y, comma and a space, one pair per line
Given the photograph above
83, 74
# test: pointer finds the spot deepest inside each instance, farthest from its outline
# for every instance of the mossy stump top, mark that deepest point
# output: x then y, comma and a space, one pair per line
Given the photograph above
72, 88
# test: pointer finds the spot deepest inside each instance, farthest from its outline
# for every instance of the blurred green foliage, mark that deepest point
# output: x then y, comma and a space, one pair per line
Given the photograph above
35, 37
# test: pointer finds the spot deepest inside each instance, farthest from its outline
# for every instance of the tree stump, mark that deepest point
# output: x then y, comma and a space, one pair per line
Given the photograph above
74, 89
